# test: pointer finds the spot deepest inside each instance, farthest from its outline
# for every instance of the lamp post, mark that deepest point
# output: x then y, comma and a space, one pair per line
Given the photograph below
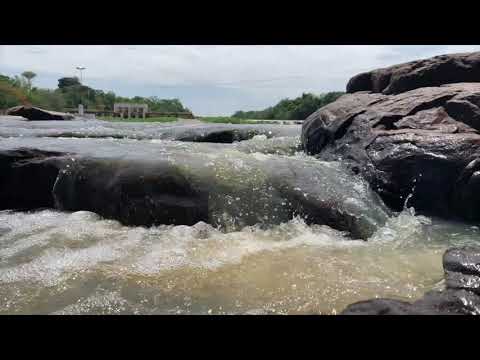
81, 68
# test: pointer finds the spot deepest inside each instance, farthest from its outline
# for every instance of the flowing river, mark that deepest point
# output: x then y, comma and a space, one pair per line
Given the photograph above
252, 256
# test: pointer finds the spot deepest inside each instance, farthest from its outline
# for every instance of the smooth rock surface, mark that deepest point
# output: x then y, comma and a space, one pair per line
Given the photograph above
228, 189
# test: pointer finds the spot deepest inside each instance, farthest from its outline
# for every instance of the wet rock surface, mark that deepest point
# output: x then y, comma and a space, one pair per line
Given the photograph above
462, 268
27, 177
228, 190
151, 174
32, 113
461, 295
421, 144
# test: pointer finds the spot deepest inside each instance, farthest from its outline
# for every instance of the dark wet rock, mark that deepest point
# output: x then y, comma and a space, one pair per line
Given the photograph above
132, 193
378, 307
27, 177
182, 191
231, 189
461, 295
446, 302
221, 136
435, 71
462, 268
227, 133
421, 143
33, 113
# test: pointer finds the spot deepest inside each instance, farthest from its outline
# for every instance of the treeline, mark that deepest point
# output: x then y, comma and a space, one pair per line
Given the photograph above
295, 109
70, 93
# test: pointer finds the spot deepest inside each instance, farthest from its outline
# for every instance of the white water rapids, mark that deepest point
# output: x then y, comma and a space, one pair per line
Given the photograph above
77, 263
54, 262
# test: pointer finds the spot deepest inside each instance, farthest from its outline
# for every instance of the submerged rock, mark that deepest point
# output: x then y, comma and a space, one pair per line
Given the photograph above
462, 268
447, 302
461, 295
27, 177
131, 192
196, 132
378, 307
229, 189
34, 113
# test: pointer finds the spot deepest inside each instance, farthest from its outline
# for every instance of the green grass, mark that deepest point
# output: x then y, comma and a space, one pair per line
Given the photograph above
232, 120
161, 119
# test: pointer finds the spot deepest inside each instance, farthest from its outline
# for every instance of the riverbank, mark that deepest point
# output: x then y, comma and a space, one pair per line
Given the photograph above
205, 119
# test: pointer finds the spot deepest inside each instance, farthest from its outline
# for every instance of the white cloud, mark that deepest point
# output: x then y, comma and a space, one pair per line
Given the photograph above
265, 73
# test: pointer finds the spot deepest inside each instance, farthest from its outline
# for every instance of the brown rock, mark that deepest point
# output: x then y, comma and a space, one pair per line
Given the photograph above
34, 113
416, 143
435, 71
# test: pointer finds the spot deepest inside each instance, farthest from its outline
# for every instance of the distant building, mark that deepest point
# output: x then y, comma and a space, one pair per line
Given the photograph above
130, 110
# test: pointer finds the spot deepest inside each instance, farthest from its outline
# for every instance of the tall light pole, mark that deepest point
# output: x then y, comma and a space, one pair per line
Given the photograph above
81, 68
80, 107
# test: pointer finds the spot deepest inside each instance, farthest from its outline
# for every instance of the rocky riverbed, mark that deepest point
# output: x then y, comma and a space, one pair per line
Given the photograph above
361, 202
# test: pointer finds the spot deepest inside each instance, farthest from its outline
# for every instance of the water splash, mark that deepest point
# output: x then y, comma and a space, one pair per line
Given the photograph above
91, 265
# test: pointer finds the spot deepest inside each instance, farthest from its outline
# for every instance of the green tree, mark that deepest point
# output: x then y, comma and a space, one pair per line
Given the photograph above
291, 109
67, 81
47, 99
11, 94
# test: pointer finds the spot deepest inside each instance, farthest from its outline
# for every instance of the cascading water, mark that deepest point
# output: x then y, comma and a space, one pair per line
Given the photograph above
257, 254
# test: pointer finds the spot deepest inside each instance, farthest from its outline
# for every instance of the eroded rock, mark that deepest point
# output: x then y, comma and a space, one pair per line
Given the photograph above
34, 113
416, 143
435, 71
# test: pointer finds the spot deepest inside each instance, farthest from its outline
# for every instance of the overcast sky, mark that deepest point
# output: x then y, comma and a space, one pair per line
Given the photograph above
211, 80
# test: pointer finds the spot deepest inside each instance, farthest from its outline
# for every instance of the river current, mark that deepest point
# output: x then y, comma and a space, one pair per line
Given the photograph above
57, 262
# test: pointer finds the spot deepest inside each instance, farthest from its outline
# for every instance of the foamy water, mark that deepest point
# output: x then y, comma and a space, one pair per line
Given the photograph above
54, 262
79, 263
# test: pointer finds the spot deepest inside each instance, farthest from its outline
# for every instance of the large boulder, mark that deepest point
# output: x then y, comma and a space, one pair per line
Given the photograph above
229, 190
180, 189
423, 144
134, 193
35, 113
439, 70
